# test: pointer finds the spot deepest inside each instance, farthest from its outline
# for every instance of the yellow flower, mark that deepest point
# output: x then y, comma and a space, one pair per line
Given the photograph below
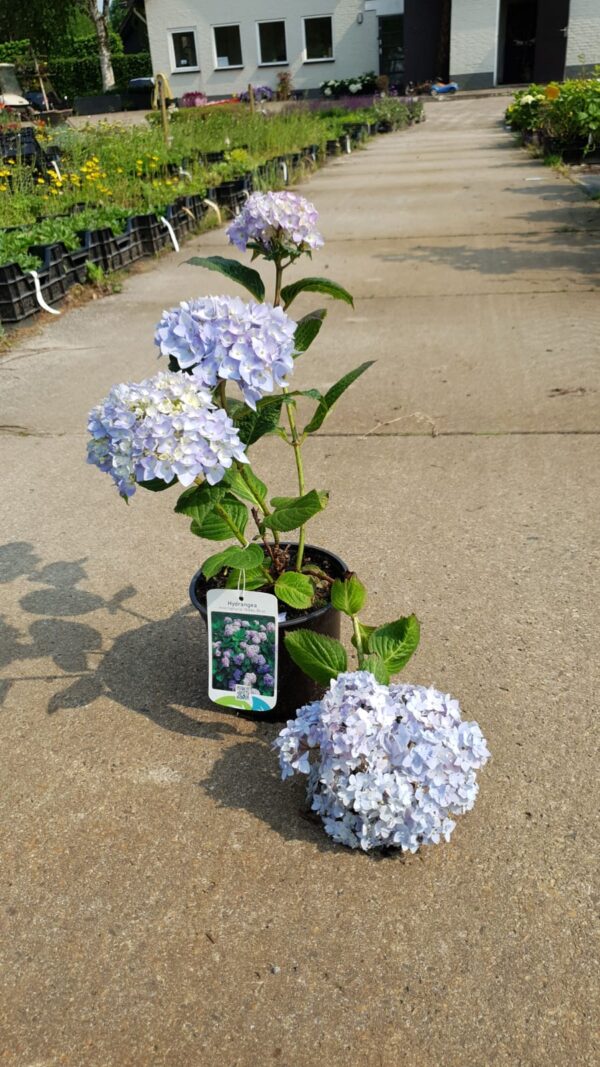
41, 181
12, 162
119, 170
552, 92
3, 188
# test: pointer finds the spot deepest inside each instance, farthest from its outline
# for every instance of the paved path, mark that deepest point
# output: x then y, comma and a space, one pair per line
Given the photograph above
164, 901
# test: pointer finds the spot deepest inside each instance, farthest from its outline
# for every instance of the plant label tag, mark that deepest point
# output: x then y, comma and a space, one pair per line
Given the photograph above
242, 649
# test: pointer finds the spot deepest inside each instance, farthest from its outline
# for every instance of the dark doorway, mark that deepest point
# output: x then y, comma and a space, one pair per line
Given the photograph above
517, 39
391, 47
532, 41
427, 39
551, 40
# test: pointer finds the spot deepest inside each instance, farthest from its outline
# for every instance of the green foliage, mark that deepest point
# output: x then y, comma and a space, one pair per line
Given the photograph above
248, 559
321, 658
333, 395
293, 513
314, 285
294, 589
237, 272
81, 76
15, 51
307, 329
348, 596
395, 642
215, 525
563, 114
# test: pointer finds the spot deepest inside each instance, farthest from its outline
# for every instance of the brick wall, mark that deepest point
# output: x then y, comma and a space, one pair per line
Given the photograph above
473, 42
584, 35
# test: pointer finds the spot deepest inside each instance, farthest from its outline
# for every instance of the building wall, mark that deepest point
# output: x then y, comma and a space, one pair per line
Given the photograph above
355, 45
474, 43
583, 42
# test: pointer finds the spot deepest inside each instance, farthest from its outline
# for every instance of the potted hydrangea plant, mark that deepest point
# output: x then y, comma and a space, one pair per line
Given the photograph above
227, 385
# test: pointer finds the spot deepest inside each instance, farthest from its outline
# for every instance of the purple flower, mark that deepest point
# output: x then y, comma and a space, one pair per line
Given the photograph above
387, 765
164, 428
220, 338
276, 224
268, 680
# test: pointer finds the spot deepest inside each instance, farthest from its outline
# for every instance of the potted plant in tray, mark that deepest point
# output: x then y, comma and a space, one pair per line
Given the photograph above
193, 426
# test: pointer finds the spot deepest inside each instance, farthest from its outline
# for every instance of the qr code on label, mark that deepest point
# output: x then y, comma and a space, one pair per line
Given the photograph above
244, 692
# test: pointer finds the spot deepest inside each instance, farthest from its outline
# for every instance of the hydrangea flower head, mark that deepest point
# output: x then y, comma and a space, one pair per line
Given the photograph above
166, 427
221, 338
387, 766
276, 223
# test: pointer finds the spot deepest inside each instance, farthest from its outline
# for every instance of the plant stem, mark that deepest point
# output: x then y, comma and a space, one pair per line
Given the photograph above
264, 507
291, 414
358, 639
223, 394
220, 510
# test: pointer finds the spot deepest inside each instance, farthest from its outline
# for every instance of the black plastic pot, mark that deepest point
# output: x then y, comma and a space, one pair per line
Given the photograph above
294, 688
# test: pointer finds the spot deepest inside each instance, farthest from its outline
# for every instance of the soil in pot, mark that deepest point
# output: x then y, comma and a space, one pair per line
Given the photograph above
294, 688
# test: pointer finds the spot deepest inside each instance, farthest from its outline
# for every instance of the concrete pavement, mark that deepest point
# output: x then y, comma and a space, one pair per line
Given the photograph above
164, 899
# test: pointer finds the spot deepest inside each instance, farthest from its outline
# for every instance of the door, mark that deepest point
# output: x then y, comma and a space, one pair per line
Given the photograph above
519, 41
391, 47
551, 41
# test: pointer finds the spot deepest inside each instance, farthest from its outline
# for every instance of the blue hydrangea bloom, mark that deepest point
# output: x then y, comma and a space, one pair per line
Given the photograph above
387, 766
276, 222
166, 427
221, 338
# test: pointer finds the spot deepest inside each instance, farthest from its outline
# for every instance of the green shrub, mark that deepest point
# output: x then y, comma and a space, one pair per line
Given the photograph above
14, 51
82, 77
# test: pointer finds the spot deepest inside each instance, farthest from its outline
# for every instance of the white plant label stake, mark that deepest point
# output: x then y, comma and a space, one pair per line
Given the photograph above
242, 648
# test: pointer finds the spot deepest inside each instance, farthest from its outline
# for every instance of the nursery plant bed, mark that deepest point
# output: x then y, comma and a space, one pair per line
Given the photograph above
294, 688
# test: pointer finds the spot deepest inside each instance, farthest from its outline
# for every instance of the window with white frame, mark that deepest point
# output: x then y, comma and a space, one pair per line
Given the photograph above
228, 46
182, 46
272, 48
318, 38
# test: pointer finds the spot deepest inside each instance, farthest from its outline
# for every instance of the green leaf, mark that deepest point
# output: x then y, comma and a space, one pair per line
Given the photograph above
348, 596
377, 667
282, 501
365, 632
247, 559
199, 500
214, 528
307, 329
314, 285
332, 395
295, 589
296, 512
250, 279
255, 424
156, 485
252, 579
395, 642
246, 485
321, 657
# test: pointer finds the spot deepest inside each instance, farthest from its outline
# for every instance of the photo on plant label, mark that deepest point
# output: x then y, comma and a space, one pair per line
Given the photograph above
243, 653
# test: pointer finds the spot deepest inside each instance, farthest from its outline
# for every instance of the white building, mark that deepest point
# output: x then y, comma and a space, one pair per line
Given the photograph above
220, 48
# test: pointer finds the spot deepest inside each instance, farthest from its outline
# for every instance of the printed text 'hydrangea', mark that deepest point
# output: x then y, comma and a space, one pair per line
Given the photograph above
276, 222
221, 338
166, 428
386, 765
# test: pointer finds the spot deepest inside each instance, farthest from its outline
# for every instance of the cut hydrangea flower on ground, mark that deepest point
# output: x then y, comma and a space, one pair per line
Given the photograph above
221, 338
276, 223
165, 428
387, 766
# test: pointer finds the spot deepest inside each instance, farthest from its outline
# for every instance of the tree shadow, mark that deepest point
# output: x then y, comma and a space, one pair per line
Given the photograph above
552, 251
155, 669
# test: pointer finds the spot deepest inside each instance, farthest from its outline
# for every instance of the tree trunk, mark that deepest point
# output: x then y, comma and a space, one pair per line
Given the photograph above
99, 13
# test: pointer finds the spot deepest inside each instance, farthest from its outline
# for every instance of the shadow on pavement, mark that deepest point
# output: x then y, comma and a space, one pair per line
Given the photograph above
152, 668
